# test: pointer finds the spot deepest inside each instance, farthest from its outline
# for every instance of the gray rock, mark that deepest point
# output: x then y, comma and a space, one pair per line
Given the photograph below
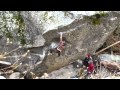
110, 57
15, 75
80, 36
74, 78
2, 77
77, 64
39, 41
32, 27
118, 73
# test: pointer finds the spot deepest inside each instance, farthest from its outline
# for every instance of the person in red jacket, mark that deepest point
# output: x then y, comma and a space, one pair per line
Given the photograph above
88, 62
91, 67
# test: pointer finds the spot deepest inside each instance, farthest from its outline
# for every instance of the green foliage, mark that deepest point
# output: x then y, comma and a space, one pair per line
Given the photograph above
7, 20
102, 13
96, 19
9, 35
5, 29
21, 28
66, 13
45, 15
22, 41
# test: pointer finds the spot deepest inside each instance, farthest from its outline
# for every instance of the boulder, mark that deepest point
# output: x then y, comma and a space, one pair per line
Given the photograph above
2, 77
15, 75
81, 37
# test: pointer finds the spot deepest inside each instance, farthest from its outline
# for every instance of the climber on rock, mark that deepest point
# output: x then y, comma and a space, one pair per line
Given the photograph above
58, 47
61, 45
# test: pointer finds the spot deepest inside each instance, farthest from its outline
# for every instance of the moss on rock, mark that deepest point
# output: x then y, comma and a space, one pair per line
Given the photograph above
96, 19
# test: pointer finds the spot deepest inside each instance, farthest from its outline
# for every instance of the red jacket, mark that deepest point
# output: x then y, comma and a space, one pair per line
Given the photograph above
91, 67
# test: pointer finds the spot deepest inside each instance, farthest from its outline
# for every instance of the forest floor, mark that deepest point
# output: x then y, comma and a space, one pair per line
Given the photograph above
72, 72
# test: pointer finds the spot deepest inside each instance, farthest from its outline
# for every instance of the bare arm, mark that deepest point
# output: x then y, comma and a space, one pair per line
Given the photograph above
61, 36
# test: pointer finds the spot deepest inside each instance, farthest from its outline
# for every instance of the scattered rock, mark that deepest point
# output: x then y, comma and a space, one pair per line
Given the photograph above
44, 76
15, 75
74, 78
77, 64
39, 41
22, 78
37, 78
111, 77
2, 77
118, 73
110, 65
66, 72
106, 78
110, 57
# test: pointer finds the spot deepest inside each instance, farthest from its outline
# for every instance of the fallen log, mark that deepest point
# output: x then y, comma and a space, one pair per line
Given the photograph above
107, 47
5, 63
111, 66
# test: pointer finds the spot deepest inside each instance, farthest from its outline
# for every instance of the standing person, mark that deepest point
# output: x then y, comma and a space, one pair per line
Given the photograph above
86, 60
89, 65
90, 69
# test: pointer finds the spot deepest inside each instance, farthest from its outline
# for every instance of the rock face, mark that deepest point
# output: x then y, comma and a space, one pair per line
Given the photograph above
33, 29
63, 73
81, 37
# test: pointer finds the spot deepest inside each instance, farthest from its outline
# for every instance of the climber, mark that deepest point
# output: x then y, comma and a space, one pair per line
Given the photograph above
61, 45
57, 47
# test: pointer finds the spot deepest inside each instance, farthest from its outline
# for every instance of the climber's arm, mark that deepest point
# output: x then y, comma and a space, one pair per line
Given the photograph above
61, 36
